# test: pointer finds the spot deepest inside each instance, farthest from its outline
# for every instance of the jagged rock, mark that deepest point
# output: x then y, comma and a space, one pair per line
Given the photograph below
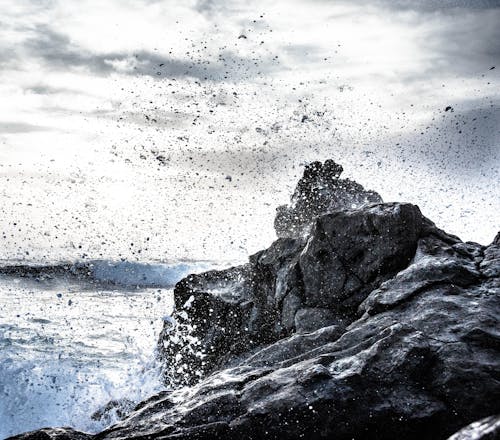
296, 285
485, 429
370, 324
320, 191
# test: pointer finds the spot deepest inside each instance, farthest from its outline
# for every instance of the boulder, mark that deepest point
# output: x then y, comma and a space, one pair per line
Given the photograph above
296, 285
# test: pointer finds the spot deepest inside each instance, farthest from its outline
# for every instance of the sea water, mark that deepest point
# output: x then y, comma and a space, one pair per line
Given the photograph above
68, 346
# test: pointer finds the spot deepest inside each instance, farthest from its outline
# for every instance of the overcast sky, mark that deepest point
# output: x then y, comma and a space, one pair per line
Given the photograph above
158, 130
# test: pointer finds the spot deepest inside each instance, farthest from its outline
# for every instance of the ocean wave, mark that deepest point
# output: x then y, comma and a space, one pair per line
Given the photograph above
106, 272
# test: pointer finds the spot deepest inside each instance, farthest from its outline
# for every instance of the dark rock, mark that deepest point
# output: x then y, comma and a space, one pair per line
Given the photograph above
297, 284
371, 323
53, 434
319, 191
489, 265
485, 429
310, 319
496, 240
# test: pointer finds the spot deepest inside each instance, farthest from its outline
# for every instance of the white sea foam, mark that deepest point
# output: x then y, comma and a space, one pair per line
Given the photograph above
67, 348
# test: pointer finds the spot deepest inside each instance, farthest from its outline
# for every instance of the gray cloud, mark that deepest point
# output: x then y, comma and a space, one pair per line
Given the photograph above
208, 6
434, 5
467, 49
58, 51
44, 89
211, 8
20, 127
461, 40
470, 49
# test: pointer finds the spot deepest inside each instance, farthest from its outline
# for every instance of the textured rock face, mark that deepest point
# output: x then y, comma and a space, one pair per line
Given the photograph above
370, 324
296, 285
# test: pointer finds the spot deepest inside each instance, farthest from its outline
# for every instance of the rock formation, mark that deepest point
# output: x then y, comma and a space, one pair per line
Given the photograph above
319, 191
364, 322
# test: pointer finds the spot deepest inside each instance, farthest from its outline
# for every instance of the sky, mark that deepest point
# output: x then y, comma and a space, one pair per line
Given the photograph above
158, 130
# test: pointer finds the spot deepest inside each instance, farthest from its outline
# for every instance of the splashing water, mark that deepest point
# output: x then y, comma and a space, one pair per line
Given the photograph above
68, 347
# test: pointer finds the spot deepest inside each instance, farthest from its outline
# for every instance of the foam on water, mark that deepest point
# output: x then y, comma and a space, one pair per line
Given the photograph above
68, 347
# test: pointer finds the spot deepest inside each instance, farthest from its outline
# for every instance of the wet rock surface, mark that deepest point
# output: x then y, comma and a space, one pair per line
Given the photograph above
54, 434
296, 285
371, 323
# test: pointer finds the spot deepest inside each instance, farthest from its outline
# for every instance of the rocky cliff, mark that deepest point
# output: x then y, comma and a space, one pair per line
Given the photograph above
362, 321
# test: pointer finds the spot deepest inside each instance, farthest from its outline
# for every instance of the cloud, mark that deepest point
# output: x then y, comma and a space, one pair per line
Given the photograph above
208, 6
58, 52
20, 127
44, 89
434, 5
213, 8
468, 42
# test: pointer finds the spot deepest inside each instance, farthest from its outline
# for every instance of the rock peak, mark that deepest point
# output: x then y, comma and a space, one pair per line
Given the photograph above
319, 191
